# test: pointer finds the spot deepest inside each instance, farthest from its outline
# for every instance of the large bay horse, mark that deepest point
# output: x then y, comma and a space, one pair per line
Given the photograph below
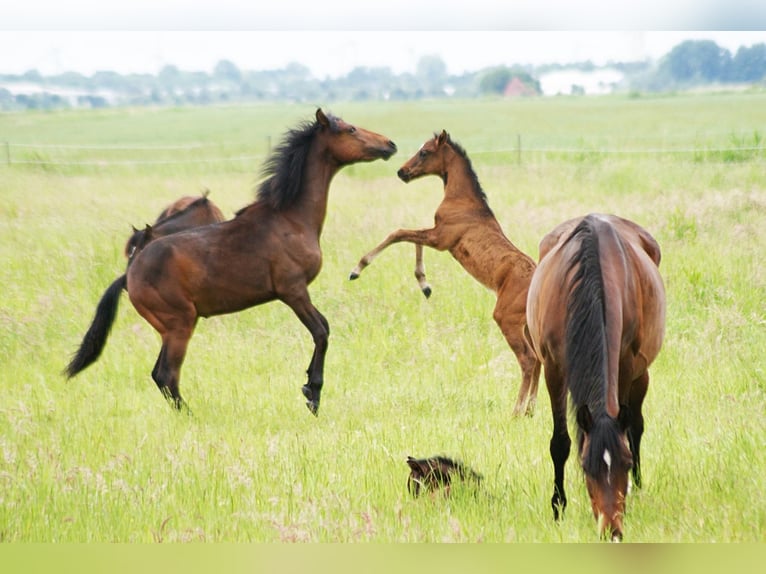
596, 316
269, 251
182, 214
467, 228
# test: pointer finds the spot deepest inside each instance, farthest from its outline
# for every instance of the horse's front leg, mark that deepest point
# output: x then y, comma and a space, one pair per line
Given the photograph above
420, 271
319, 328
419, 237
560, 442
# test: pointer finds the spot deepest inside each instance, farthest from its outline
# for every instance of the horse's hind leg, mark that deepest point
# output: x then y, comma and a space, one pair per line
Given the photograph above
636, 430
167, 370
512, 323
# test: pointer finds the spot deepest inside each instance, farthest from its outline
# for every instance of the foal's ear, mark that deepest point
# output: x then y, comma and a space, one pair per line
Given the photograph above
322, 119
442, 137
584, 419
133, 227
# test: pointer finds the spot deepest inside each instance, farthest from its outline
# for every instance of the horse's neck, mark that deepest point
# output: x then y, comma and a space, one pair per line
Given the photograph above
312, 205
459, 184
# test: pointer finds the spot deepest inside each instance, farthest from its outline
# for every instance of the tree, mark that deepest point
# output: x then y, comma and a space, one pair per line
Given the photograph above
749, 65
431, 72
697, 61
494, 81
227, 71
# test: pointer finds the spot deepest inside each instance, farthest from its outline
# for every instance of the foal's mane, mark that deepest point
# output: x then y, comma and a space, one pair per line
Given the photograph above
284, 169
471, 173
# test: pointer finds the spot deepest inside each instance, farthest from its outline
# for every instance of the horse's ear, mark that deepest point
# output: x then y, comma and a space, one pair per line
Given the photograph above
133, 227
584, 419
415, 465
322, 119
442, 137
148, 228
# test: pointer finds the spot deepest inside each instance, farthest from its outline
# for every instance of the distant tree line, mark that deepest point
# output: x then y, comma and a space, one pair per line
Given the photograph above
689, 64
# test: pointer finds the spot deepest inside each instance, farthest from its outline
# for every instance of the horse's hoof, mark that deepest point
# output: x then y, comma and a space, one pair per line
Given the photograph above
313, 406
313, 402
427, 292
353, 275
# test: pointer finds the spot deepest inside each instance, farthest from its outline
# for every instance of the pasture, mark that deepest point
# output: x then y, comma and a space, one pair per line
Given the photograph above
103, 458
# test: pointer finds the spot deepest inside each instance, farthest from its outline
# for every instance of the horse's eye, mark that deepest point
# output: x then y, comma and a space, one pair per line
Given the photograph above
351, 130
423, 153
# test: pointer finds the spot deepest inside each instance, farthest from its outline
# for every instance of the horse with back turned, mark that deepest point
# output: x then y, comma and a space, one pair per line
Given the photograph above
596, 317
269, 251
466, 227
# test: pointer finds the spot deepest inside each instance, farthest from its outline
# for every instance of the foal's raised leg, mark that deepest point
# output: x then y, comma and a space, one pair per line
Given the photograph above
419, 237
420, 271
319, 328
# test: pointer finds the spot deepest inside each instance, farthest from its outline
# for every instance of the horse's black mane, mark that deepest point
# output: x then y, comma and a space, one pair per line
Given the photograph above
586, 355
284, 169
472, 174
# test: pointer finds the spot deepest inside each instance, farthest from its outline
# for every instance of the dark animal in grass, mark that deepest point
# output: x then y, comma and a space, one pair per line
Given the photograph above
437, 472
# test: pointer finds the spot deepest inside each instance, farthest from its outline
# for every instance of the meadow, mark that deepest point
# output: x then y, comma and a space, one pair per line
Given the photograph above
103, 458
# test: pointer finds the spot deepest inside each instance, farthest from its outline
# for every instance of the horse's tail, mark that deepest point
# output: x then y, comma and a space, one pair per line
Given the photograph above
94, 340
585, 320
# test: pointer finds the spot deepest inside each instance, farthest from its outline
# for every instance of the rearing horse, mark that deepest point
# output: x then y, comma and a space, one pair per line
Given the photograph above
467, 228
269, 251
596, 317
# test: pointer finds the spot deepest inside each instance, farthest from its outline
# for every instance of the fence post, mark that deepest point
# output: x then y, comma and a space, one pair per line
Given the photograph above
518, 142
7, 153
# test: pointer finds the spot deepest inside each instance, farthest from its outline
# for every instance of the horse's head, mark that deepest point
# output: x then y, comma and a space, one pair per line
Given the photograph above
429, 159
606, 461
138, 241
349, 144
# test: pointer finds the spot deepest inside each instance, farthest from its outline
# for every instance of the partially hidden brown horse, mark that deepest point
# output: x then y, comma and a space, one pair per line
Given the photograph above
269, 251
596, 317
184, 213
467, 228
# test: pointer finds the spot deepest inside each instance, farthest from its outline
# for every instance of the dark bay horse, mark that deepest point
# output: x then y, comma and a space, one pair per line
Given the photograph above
269, 251
467, 228
184, 213
596, 317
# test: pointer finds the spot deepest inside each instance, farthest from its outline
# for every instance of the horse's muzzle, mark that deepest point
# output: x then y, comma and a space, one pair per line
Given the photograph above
404, 175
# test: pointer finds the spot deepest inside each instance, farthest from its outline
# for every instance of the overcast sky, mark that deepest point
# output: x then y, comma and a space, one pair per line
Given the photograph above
331, 37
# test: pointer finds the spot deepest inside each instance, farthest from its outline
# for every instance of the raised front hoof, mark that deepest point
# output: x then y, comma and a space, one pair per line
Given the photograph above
313, 400
426, 292
353, 275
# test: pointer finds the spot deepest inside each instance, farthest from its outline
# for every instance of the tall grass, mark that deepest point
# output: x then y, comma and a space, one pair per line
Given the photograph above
103, 458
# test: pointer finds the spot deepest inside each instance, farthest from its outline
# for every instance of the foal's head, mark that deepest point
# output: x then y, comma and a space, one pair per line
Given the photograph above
429, 159
349, 144
606, 461
437, 472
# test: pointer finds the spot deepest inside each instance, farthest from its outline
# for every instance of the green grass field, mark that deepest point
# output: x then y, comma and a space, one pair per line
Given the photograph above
103, 457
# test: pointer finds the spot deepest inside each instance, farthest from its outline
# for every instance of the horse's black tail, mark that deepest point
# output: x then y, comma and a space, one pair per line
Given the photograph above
94, 340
